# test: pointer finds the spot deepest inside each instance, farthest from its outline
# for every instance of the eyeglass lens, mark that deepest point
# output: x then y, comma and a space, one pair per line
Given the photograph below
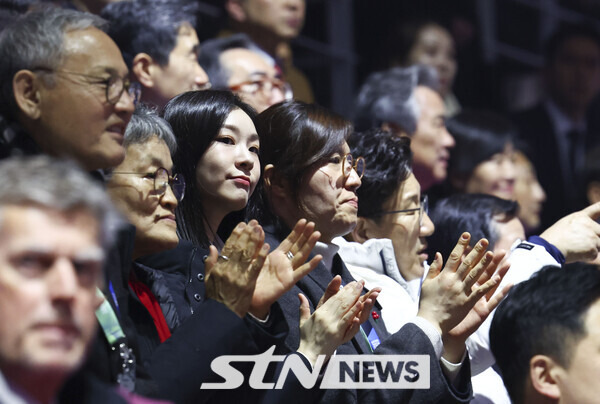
161, 181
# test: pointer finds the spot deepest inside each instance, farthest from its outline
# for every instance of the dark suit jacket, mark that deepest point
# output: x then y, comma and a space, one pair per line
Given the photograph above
408, 340
537, 132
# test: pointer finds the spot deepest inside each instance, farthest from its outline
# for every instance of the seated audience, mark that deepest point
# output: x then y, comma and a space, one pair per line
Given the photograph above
482, 162
236, 64
160, 46
54, 228
68, 97
406, 102
184, 302
545, 337
310, 173
529, 193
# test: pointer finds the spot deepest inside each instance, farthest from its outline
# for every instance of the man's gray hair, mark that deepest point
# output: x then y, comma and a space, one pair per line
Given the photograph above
58, 185
210, 57
145, 124
388, 96
36, 40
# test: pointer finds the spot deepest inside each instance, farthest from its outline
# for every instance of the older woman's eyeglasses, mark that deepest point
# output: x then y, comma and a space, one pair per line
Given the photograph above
162, 180
423, 208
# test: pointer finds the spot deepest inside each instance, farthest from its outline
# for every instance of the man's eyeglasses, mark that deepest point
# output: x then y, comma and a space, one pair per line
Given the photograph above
162, 180
423, 208
115, 85
265, 86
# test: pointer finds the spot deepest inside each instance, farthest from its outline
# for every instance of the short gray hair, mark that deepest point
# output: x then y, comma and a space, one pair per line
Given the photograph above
37, 40
388, 96
58, 185
145, 124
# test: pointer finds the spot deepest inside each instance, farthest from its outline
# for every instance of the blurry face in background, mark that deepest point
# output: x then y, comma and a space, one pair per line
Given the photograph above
152, 214
495, 176
283, 18
435, 47
574, 76
183, 72
252, 78
528, 193
431, 143
228, 171
508, 232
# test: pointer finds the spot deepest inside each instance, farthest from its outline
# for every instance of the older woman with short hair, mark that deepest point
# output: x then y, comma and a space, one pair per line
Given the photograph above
309, 172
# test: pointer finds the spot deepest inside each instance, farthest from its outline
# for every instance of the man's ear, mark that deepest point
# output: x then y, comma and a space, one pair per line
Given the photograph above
360, 234
542, 372
143, 69
26, 89
235, 10
275, 184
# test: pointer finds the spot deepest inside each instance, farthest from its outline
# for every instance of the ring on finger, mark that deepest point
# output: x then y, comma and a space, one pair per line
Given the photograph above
224, 257
290, 255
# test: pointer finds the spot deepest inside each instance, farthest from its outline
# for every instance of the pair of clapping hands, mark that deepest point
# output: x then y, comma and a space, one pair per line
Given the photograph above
250, 279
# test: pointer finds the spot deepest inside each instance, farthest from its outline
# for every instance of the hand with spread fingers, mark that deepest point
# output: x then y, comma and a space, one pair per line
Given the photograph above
285, 266
336, 319
231, 275
448, 297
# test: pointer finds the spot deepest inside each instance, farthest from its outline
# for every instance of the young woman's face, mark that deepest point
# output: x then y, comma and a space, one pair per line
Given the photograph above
228, 171
328, 197
495, 176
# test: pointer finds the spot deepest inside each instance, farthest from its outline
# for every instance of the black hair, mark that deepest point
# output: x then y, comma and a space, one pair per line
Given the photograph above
294, 137
388, 161
564, 33
148, 26
544, 315
467, 212
478, 135
197, 118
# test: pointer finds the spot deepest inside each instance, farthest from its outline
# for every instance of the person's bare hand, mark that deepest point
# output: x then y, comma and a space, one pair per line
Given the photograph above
448, 296
454, 340
577, 235
336, 319
231, 276
280, 273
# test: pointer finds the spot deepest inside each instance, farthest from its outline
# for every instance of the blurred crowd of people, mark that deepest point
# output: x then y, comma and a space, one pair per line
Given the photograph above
166, 202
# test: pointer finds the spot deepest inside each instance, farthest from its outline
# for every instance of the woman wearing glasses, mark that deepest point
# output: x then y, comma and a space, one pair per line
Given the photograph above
192, 315
310, 173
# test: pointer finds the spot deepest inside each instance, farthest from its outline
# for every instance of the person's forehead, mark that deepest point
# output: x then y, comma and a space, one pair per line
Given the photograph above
245, 61
430, 102
92, 51
407, 193
21, 224
142, 156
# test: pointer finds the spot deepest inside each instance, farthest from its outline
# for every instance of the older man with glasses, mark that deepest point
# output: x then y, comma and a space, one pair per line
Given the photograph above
65, 90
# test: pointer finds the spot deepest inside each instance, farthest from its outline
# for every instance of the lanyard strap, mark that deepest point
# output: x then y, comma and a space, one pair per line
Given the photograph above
108, 321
